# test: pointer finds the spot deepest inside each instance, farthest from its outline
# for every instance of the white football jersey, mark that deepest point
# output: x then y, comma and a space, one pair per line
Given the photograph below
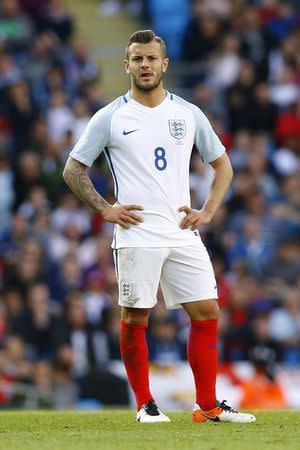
148, 151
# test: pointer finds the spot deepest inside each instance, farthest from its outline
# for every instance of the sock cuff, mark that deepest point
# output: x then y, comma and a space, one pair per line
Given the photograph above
134, 327
204, 323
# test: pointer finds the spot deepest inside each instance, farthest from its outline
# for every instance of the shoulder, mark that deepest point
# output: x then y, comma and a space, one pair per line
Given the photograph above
185, 104
107, 112
195, 110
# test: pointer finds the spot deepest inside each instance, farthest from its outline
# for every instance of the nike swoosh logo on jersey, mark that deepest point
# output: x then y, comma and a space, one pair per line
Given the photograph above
128, 132
213, 419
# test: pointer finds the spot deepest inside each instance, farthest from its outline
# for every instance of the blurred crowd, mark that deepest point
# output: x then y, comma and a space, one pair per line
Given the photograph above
59, 318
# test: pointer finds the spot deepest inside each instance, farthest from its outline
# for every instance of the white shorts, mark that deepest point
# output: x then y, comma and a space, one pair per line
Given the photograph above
185, 275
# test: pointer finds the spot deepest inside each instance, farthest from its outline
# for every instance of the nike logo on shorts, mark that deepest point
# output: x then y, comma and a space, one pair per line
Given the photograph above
128, 132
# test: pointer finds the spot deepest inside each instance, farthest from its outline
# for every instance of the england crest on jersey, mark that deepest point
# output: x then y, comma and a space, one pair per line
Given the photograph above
177, 128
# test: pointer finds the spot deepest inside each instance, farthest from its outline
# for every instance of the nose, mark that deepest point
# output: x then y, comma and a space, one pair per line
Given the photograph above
145, 62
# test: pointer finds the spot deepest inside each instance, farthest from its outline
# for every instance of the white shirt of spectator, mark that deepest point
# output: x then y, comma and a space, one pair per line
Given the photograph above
148, 151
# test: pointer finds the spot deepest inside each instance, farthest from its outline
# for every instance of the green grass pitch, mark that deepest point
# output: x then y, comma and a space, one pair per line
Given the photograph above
116, 429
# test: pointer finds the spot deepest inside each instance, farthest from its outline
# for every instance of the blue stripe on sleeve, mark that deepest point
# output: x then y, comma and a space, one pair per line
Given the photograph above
117, 263
109, 161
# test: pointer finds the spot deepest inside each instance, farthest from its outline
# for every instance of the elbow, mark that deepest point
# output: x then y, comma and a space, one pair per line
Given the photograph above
71, 169
65, 174
226, 172
227, 167
230, 173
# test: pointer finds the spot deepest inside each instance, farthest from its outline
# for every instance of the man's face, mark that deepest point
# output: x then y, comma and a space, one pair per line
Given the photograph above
146, 65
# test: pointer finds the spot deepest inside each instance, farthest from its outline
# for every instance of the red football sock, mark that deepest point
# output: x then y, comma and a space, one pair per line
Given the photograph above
203, 358
134, 351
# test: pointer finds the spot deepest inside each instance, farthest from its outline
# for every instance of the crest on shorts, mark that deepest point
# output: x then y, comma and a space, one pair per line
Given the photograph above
177, 128
126, 290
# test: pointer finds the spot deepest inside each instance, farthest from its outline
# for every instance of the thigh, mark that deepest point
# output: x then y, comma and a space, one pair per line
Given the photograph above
138, 272
188, 276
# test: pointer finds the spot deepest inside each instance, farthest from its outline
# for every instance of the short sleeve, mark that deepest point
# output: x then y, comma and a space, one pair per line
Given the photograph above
96, 135
93, 139
206, 140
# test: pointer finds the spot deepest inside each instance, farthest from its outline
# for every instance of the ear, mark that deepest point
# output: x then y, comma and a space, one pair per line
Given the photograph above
126, 65
165, 64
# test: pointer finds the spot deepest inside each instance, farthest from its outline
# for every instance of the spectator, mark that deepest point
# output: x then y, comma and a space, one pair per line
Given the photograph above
262, 390
12, 238
81, 68
255, 40
60, 116
226, 64
286, 265
44, 64
82, 116
15, 366
240, 98
65, 390
6, 189
21, 114
201, 36
36, 201
165, 347
264, 112
92, 92
284, 326
66, 278
26, 270
16, 29
13, 304
28, 175
87, 346
9, 72
284, 22
287, 126
34, 8
56, 18
35, 324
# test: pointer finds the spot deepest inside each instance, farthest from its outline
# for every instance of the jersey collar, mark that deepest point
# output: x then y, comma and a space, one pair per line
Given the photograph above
127, 97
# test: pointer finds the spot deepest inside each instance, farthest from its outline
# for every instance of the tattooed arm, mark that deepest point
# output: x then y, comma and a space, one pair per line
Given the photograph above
79, 182
77, 179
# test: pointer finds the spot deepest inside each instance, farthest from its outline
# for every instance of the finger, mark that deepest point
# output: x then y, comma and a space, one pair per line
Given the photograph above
185, 222
137, 207
135, 216
129, 219
190, 221
198, 223
123, 224
194, 224
185, 209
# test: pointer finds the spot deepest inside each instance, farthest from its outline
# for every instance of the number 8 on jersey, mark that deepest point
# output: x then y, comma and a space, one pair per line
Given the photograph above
160, 161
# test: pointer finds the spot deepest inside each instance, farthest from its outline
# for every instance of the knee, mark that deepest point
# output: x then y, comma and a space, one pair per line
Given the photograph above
135, 316
205, 310
212, 312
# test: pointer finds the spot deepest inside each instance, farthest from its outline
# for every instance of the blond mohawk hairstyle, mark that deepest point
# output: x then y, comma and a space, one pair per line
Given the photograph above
144, 37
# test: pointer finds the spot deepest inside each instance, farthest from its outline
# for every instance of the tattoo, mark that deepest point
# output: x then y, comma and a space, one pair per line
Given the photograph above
79, 182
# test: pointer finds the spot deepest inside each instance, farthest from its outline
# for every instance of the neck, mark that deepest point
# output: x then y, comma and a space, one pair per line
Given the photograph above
148, 98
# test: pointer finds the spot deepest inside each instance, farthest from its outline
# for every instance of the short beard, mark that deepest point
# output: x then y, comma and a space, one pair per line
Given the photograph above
149, 87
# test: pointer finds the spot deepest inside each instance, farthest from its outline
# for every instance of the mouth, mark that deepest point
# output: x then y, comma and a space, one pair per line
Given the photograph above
146, 75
